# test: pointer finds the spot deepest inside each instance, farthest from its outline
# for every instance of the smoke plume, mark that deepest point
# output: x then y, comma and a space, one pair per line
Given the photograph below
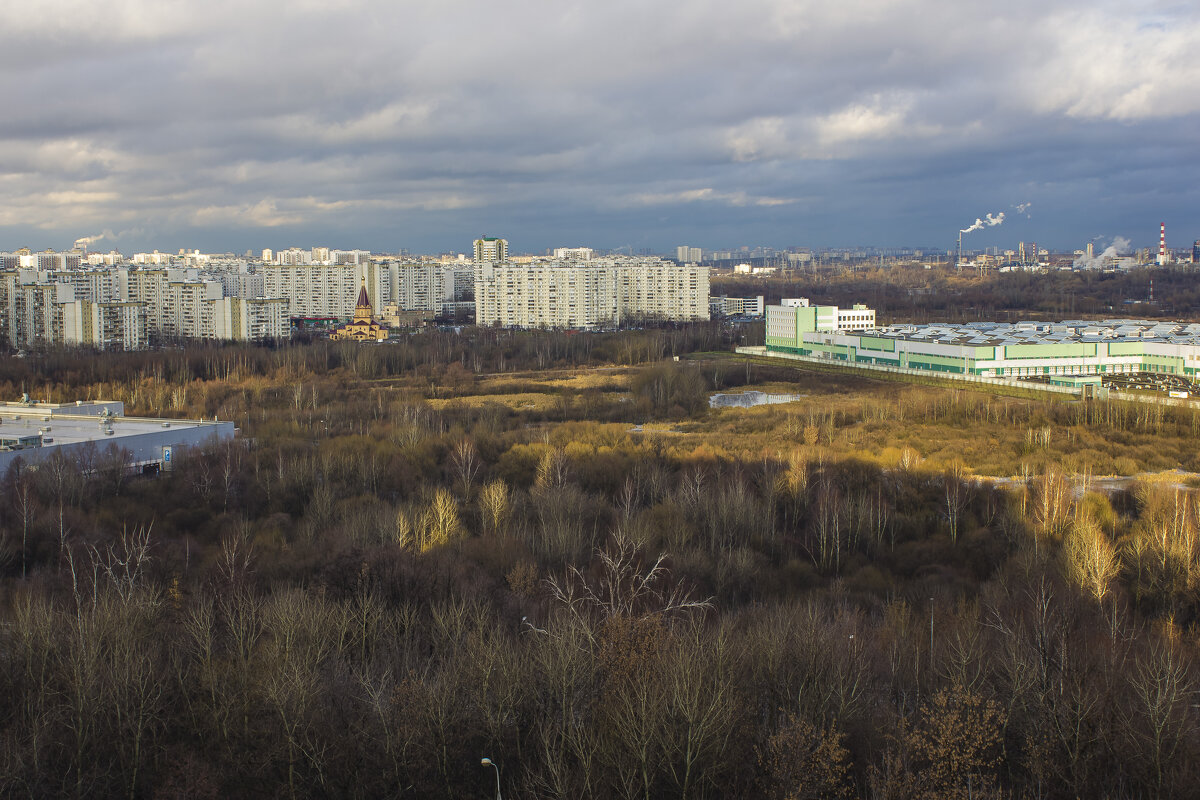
87, 241
987, 222
1119, 247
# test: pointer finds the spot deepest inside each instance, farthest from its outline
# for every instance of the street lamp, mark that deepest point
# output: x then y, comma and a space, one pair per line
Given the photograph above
487, 762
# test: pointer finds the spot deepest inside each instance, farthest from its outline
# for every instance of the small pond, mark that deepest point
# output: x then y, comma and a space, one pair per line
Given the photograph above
748, 399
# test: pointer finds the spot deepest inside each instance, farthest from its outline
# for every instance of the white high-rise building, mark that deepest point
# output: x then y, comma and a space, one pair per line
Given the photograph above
349, 256
156, 258
545, 296
315, 291
31, 313
250, 319
491, 249
600, 293
239, 284
574, 253
425, 288
187, 311
653, 289
108, 325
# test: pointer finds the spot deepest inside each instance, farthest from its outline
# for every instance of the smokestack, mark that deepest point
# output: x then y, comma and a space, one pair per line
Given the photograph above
1162, 244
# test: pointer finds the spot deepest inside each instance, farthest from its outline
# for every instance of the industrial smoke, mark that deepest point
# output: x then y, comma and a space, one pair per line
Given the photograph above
987, 222
85, 241
1119, 246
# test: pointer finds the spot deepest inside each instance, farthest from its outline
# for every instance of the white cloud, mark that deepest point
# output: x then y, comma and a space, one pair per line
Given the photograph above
1106, 66
861, 122
706, 195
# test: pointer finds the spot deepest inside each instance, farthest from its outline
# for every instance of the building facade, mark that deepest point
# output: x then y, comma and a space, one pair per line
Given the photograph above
251, 319
315, 290
1023, 350
725, 306
599, 293
105, 324
491, 249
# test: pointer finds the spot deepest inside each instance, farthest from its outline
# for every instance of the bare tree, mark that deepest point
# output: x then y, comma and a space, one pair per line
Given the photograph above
465, 459
956, 496
701, 707
1089, 558
495, 506
553, 469
25, 505
124, 562
441, 523
623, 587
236, 556
1164, 699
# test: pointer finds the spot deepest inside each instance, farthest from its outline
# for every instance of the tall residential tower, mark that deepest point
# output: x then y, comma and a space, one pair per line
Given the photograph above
490, 249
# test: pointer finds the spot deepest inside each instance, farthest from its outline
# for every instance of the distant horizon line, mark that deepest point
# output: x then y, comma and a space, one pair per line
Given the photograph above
874, 249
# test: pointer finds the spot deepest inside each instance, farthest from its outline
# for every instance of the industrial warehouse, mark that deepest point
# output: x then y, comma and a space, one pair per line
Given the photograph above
1056, 352
32, 432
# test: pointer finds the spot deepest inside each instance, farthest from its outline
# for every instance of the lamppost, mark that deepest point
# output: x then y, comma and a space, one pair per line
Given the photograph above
487, 762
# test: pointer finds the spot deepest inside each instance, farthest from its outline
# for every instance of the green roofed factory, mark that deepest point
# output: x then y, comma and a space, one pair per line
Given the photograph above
1047, 350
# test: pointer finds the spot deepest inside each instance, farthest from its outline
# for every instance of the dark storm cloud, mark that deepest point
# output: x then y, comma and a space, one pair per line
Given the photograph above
421, 124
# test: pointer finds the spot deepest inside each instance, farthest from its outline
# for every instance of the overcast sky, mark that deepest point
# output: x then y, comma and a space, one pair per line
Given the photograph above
421, 124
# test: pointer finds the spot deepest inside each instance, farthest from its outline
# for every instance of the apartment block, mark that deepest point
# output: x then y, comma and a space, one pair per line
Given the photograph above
599, 293
315, 290
250, 319
107, 325
186, 312
31, 313
491, 249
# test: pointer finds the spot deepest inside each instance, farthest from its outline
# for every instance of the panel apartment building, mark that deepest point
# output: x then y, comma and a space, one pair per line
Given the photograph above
123, 308
593, 294
325, 291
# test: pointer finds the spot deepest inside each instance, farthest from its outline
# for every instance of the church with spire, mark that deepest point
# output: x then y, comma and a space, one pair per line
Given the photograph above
363, 328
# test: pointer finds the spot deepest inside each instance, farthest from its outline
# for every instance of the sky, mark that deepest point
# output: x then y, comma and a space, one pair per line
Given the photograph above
229, 125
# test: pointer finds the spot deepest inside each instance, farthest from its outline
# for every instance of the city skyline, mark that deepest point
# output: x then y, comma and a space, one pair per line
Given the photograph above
788, 124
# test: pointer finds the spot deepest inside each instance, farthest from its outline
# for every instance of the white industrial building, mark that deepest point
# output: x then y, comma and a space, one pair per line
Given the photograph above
795, 316
1049, 351
83, 431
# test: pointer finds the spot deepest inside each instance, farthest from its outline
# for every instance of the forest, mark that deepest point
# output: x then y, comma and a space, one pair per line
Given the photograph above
549, 551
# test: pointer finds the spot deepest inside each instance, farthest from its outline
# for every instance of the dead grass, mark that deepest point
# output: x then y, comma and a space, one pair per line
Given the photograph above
846, 415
